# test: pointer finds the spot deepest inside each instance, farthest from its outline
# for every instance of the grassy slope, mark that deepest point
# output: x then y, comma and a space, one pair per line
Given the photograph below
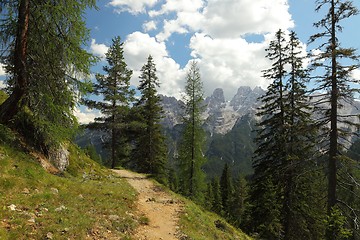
199, 224
87, 202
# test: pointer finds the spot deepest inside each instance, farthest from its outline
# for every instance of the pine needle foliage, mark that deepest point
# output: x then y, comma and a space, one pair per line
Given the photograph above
150, 150
117, 96
334, 66
191, 151
44, 79
286, 144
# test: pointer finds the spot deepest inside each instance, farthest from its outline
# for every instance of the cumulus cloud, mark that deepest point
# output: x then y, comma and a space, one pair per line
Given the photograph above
178, 6
98, 50
86, 115
138, 46
170, 27
356, 74
226, 19
218, 31
2, 70
237, 18
229, 63
149, 26
132, 6
2, 84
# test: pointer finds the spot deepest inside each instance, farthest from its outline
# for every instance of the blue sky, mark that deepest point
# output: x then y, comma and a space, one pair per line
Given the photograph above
226, 37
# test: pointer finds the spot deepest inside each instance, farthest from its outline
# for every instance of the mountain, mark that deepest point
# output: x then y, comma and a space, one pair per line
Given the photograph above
229, 125
220, 115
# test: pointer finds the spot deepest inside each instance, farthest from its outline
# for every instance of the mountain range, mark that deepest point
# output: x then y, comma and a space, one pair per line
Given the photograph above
220, 116
228, 124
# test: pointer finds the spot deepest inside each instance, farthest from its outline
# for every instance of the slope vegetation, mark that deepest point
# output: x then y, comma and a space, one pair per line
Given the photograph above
87, 201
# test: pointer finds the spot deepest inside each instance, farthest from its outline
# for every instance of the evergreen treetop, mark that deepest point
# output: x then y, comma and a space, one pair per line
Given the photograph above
117, 97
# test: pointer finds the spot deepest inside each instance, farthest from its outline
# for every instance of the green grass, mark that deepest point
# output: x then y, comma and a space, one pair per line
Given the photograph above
196, 223
199, 224
87, 202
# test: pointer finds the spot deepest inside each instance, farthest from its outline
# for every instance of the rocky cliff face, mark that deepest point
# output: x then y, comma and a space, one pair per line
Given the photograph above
220, 115
173, 111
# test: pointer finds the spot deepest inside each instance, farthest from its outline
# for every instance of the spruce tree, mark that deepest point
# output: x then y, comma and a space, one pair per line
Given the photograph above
226, 189
209, 197
114, 88
284, 157
150, 150
217, 201
299, 169
271, 150
240, 204
191, 154
334, 65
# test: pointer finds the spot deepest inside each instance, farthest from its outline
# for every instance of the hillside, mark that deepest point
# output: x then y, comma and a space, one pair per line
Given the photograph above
84, 202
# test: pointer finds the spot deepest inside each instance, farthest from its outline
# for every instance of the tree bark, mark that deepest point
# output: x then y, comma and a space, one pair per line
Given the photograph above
11, 106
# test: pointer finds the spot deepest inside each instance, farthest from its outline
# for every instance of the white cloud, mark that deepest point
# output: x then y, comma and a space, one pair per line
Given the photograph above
86, 115
218, 29
178, 6
98, 50
229, 63
149, 26
225, 19
132, 6
2, 70
356, 74
236, 18
2, 84
170, 27
137, 48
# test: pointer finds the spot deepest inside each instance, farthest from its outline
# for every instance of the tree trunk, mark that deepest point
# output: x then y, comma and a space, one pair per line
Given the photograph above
333, 151
192, 170
11, 106
333, 119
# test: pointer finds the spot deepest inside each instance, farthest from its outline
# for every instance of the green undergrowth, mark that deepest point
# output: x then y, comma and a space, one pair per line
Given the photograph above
196, 223
199, 224
86, 202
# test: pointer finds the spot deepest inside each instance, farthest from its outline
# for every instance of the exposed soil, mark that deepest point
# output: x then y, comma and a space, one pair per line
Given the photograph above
161, 209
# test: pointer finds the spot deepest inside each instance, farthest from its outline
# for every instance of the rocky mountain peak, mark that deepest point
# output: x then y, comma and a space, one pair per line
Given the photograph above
245, 98
173, 109
216, 100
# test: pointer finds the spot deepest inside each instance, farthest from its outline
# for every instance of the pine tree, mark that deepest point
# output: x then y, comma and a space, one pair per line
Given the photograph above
240, 203
271, 151
173, 180
284, 156
265, 209
150, 150
217, 201
44, 78
114, 87
335, 84
226, 189
209, 197
191, 155
299, 167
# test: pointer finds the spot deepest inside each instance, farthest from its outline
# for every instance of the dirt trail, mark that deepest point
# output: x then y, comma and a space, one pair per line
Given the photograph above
158, 206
